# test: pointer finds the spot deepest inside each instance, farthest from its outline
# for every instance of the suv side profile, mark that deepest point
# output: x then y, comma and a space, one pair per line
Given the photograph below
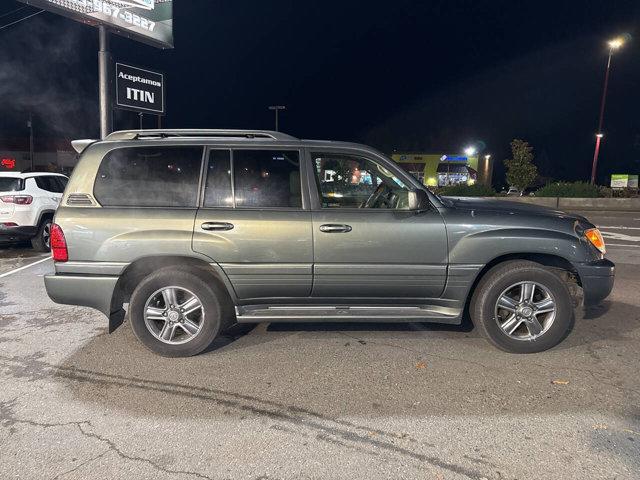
198, 229
28, 202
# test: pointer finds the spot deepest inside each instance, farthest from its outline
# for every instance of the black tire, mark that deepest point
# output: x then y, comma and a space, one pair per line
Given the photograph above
502, 277
41, 242
213, 298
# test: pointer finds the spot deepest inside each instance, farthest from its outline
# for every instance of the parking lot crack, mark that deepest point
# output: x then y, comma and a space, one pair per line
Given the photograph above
114, 448
321, 424
80, 465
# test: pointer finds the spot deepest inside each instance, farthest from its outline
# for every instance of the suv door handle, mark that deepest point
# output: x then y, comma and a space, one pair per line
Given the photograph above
335, 228
217, 226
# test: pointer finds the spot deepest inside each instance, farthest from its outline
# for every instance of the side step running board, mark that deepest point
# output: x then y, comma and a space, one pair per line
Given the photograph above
298, 313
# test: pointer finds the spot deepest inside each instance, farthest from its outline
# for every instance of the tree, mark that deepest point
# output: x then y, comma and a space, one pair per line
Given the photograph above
521, 172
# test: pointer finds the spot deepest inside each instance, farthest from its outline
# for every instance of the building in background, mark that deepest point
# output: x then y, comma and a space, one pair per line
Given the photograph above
48, 156
438, 170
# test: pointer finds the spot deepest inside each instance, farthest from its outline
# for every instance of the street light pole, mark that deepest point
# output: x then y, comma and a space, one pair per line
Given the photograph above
104, 63
276, 109
613, 45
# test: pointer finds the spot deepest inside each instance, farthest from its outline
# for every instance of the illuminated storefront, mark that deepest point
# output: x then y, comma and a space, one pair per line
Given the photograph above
438, 170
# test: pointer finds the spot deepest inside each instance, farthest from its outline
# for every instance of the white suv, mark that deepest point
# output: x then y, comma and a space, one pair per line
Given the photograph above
28, 202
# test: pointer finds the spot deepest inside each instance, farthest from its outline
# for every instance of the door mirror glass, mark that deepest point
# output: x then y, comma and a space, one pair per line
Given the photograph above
418, 200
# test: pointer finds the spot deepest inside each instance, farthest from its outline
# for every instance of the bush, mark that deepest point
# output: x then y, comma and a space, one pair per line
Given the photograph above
607, 192
475, 190
568, 189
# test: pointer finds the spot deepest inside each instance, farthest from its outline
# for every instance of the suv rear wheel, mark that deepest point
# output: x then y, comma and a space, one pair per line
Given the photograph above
522, 307
176, 313
42, 241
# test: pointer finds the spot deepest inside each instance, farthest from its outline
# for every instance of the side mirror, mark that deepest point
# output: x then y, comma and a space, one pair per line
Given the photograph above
418, 200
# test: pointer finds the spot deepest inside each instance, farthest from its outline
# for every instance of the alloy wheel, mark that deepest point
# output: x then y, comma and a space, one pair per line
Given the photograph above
525, 310
46, 235
174, 315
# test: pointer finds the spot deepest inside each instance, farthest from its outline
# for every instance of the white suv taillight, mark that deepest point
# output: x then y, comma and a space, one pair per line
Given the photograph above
58, 244
17, 199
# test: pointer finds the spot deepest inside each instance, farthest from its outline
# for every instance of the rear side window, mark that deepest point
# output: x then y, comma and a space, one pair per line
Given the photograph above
50, 184
11, 184
149, 177
62, 182
267, 178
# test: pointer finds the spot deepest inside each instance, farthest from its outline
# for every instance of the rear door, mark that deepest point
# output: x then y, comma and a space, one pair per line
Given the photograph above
254, 222
367, 244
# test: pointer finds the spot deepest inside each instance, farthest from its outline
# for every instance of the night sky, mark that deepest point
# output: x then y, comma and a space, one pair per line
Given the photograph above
429, 76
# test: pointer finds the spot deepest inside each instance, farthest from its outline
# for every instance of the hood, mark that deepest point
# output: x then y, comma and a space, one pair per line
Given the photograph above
507, 207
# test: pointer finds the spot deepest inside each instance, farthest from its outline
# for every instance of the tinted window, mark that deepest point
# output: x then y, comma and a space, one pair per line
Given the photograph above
62, 181
218, 189
11, 184
267, 178
49, 183
347, 181
149, 177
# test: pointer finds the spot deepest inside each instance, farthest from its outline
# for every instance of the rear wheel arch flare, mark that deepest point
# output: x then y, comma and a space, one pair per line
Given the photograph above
142, 267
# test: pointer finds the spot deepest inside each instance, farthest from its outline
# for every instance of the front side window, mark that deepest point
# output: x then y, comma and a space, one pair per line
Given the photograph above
349, 181
267, 178
149, 177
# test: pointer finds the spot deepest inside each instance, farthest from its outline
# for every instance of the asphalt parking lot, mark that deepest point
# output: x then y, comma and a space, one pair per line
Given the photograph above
330, 401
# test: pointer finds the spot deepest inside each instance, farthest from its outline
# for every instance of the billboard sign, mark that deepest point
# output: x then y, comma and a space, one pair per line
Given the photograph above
624, 181
139, 90
149, 21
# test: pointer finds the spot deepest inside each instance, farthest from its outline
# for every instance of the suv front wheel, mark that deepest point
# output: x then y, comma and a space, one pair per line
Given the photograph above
176, 313
522, 307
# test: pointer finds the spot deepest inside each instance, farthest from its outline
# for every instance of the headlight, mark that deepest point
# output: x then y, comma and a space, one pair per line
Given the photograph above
595, 237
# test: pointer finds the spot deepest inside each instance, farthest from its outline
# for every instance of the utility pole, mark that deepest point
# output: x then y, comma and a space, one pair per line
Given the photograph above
104, 64
614, 45
31, 147
141, 115
276, 109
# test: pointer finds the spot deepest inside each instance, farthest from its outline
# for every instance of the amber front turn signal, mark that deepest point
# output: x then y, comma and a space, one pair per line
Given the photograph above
595, 237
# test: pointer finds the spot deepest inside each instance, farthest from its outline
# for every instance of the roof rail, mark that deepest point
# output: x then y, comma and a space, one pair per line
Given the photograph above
190, 133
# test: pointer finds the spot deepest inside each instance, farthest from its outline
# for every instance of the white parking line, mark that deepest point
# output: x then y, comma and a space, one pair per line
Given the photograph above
620, 228
621, 245
48, 257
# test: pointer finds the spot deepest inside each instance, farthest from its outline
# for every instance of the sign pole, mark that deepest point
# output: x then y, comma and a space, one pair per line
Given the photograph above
104, 62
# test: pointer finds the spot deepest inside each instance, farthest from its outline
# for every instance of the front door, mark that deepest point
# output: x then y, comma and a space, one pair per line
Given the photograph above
367, 243
252, 222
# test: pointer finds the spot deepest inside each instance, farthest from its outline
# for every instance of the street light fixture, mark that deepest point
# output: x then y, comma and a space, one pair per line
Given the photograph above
470, 151
614, 45
276, 109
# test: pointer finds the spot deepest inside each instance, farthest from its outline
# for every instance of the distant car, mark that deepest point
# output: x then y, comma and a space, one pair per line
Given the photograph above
28, 202
513, 192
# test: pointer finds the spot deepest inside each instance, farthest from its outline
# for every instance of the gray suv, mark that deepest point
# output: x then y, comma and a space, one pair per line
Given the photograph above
199, 229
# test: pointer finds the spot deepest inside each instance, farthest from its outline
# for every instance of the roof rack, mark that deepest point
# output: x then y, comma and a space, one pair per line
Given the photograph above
197, 133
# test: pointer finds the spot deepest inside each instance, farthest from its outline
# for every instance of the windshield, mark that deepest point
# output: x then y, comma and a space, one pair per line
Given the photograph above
11, 184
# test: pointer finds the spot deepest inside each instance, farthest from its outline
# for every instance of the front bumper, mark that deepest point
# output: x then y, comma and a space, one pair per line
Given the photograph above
597, 280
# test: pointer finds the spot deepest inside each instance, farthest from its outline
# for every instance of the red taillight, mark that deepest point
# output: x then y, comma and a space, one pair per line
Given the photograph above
17, 199
58, 244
